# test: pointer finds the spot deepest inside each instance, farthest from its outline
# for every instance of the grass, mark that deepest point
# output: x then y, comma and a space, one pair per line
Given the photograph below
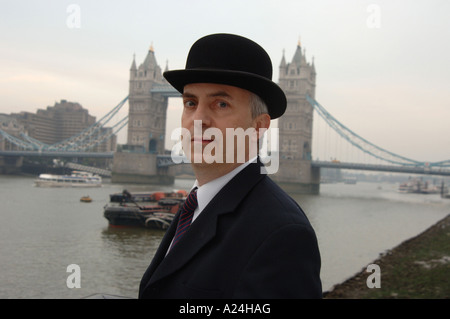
418, 268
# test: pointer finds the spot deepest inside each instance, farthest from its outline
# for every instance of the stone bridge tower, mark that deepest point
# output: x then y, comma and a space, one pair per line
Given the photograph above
147, 109
136, 162
297, 79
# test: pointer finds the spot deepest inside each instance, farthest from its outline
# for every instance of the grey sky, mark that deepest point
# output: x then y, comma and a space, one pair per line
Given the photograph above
382, 66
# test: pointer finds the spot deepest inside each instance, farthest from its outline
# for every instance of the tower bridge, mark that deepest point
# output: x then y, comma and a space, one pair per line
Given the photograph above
145, 160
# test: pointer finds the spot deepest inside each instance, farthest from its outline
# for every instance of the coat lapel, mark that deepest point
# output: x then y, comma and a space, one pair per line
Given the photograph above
204, 227
160, 252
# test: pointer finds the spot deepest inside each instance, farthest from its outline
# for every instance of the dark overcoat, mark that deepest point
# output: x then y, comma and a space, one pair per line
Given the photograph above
251, 241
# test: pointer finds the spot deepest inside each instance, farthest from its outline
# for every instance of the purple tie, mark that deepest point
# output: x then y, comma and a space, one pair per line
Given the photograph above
187, 212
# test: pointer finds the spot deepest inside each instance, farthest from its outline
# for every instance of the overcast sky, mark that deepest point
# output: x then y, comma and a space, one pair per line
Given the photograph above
383, 67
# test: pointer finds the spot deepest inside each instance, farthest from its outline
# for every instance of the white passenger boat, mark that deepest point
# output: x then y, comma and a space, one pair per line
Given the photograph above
76, 179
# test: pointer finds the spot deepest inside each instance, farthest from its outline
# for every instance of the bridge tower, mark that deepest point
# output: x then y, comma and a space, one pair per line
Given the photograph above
136, 162
297, 79
147, 110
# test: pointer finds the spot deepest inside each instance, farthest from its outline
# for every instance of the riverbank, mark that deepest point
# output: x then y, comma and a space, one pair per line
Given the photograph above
417, 268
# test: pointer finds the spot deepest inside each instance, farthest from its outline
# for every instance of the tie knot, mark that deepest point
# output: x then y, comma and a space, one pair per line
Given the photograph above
191, 202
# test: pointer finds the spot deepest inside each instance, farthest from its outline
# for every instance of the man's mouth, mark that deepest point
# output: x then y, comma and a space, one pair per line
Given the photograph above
201, 140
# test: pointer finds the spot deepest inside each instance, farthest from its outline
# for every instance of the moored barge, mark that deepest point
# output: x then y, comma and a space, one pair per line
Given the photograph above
151, 210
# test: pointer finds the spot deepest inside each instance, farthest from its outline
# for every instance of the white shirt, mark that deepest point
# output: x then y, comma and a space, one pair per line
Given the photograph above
206, 192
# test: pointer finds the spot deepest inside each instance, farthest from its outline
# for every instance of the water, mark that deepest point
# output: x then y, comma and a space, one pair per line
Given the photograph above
44, 230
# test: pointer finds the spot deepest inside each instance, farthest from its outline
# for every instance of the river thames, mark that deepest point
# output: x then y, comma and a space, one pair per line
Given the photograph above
45, 230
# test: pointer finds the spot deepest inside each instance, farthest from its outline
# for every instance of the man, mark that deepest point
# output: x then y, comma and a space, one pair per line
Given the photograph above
247, 238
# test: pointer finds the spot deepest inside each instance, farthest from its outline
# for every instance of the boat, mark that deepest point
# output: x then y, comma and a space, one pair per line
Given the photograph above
76, 179
418, 186
86, 199
443, 189
150, 210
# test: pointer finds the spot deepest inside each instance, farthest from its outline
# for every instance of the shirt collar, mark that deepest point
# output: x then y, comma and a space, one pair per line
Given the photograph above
206, 192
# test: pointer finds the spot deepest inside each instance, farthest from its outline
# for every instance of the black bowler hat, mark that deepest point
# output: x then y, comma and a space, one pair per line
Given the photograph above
232, 60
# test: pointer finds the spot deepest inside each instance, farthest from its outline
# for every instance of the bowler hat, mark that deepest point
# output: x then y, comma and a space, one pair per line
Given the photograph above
232, 60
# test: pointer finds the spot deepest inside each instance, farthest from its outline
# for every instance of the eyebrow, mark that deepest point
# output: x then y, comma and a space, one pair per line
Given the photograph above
220, 94
214, 94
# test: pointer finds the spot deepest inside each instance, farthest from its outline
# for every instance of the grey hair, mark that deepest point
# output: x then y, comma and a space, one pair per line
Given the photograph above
258, 106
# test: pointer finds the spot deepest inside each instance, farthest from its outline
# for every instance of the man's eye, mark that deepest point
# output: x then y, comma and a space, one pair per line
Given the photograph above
189, 103
222, 104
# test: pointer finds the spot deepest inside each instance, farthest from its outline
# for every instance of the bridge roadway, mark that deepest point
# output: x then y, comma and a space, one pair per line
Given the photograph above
58, 154
383, 168
166, 160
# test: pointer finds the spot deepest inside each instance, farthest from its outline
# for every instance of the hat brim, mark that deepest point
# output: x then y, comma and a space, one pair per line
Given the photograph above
267, 90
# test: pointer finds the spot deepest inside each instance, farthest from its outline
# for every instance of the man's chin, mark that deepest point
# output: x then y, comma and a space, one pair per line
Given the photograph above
206, 160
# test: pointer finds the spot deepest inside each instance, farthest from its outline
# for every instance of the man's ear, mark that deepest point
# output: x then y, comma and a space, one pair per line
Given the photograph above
262, 122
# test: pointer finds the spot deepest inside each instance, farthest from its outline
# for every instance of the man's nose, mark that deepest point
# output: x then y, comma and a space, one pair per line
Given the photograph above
203, 113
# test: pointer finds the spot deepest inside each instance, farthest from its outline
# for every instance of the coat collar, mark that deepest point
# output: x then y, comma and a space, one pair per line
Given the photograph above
204, 228
208, 191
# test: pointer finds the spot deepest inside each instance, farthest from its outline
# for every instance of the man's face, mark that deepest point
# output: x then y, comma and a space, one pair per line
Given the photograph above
218, 107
